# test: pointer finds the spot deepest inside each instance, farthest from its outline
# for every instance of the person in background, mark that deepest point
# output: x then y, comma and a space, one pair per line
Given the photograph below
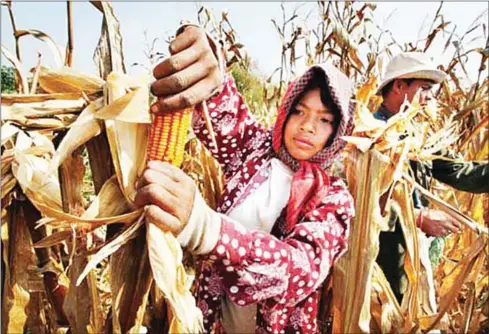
407, 74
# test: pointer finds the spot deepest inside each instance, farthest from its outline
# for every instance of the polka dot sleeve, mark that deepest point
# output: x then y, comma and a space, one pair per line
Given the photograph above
237, 132
256, 266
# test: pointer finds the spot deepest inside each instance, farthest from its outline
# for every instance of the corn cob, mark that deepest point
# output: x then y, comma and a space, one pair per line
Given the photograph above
167, 136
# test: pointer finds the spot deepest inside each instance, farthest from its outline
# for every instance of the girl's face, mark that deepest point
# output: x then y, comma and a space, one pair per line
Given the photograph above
309, 126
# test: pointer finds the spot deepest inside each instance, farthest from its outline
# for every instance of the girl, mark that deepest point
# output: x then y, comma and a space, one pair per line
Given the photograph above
282, 221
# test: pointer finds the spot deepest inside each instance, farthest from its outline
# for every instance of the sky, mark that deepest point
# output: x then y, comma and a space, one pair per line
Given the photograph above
252, 22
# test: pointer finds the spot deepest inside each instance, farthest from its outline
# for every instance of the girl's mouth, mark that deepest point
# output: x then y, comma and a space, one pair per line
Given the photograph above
301, 142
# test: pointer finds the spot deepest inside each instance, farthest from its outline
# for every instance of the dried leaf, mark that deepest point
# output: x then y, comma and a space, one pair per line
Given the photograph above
351, 301
67, 80
18, 68
42, 109
108, 54
81, 131
39, 186
18, 255
128, 141
165, 256
54, 239
56, 50
9, 99
8, 131
131, 280
82, 305
111, 247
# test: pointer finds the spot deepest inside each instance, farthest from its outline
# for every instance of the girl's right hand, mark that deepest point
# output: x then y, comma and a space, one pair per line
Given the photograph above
189, 76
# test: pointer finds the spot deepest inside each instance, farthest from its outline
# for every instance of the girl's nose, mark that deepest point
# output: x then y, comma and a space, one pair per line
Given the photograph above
308, 125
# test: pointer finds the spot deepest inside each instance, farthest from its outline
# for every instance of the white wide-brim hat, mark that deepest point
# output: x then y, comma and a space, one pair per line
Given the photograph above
411, 65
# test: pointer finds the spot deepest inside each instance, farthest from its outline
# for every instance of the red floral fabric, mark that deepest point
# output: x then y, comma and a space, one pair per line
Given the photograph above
281, 271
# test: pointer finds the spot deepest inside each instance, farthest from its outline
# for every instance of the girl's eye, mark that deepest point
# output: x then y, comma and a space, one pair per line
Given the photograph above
326, 121
297, 112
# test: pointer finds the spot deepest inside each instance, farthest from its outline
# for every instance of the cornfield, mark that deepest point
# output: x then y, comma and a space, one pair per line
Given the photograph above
77, 257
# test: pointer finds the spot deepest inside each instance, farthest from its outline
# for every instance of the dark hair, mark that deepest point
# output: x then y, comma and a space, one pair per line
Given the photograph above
321, 81
387, 88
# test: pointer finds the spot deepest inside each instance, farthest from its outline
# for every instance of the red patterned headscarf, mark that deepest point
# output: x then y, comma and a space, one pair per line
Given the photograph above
311, 182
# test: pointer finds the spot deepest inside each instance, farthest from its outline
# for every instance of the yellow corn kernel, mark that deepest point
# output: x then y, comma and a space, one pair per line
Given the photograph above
167, 136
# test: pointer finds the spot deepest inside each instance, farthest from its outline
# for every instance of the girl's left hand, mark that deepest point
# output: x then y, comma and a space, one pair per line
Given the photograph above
169, 194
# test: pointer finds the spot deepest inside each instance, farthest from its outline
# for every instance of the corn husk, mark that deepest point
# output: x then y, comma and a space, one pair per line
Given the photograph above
127, 140
67, 80
165, 255
81, 131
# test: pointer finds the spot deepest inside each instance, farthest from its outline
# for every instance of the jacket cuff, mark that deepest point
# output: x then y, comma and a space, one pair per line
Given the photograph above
202, 231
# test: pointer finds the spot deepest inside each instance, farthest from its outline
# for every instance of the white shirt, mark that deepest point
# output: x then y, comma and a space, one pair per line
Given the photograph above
258, 211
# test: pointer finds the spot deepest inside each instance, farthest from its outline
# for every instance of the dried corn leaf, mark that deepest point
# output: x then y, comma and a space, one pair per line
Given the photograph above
112, 246
36, 317
460, 275
67, 80
43, 190
159, 321
385, 309
469, 307
81, 131
128, 141
19, 69
54, 239
18, 255
165, 256
363, 144
131, 280
9, 99
122, 109
40, 123
412, 263
109, 202
67, 119
351, 301
82, 305
8, 131
62, 216
35, 76
199, 164
7, 158
39, 186
108, 54
8, 183
481, 126
55, 49
42, 109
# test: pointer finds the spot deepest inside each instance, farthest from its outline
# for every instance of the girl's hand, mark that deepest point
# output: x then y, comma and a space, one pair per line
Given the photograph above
189, 76
169, 194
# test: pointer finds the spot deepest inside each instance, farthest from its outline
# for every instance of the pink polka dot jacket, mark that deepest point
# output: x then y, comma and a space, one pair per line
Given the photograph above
280, 271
